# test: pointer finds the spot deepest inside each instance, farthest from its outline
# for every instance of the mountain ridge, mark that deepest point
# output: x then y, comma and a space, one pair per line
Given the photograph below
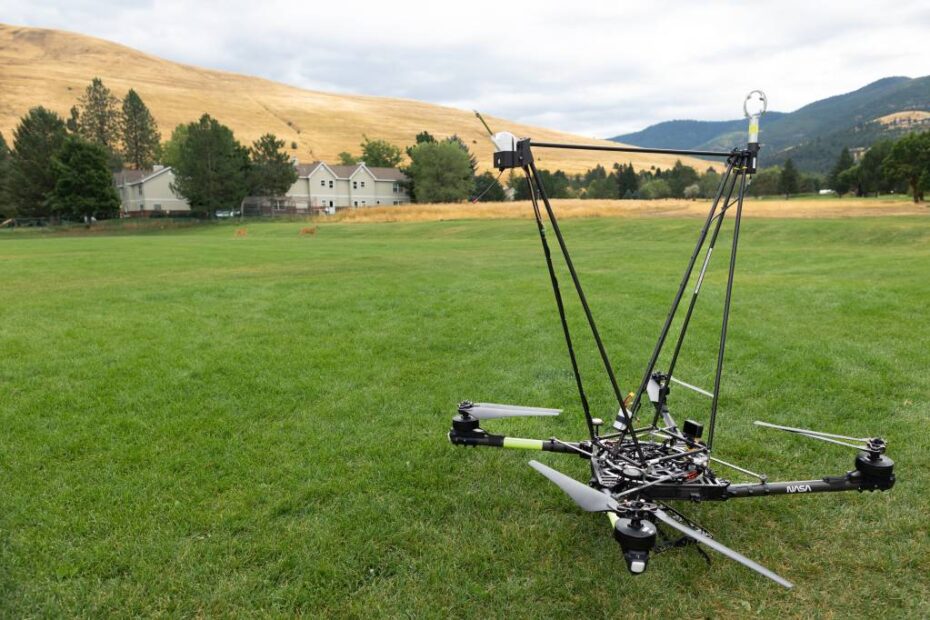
813, 134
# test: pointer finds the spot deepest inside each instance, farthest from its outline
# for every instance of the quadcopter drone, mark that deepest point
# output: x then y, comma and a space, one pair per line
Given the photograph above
635, 471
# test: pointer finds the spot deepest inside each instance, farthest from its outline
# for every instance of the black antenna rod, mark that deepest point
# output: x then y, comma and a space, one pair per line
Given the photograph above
630, 149
480, 118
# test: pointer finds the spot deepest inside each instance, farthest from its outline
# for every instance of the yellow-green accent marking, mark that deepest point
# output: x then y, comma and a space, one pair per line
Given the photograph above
523, 444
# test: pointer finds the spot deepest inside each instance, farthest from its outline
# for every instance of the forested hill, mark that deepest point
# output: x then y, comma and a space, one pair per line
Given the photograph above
812, 135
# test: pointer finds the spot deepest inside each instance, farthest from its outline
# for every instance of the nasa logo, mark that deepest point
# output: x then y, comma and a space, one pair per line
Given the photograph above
799, 488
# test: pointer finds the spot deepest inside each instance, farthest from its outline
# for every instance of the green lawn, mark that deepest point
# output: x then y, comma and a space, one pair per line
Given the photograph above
197, 424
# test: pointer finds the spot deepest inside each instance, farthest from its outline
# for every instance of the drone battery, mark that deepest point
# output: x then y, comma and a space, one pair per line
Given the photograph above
692, 429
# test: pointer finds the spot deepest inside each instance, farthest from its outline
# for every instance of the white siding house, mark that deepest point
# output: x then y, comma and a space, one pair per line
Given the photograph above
143, 193
320, 186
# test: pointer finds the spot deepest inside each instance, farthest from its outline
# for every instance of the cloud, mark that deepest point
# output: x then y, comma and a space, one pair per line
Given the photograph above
596, 69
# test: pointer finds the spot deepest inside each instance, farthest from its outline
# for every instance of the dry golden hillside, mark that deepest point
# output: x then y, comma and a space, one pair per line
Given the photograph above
52, 68
907, 117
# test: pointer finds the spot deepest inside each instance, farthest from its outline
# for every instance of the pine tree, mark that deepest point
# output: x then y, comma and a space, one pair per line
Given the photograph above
98, 117
627, 181
83, 182
843, 163
788, 181
36, 140
73, 121
212, 168
272, 172
6, 209
140, 135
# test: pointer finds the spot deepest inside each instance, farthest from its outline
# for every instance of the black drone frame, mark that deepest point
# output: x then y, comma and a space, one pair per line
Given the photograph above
634, 470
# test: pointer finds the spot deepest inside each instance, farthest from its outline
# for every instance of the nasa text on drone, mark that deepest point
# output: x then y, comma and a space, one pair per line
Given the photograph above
636, 470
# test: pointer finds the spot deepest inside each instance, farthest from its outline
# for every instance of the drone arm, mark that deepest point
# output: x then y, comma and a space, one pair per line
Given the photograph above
853, 481
481, 438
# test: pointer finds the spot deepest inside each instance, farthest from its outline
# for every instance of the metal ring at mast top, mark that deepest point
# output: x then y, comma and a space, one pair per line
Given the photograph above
762, 99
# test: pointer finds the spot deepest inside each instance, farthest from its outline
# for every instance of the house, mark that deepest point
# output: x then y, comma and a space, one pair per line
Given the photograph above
144, 193
321, 187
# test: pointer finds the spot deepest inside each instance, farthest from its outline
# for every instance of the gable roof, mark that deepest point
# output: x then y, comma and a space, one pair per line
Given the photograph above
388, 174
347, 172
134, 177
305, 170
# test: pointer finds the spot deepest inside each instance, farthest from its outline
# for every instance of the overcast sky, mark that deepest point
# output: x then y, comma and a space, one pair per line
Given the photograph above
593, 68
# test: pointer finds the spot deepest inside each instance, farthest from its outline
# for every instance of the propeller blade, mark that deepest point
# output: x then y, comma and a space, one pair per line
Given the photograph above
652, 389
491, 411
716, 546
587, 498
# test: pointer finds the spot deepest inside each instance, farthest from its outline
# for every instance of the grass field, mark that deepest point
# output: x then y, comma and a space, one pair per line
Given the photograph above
200, 424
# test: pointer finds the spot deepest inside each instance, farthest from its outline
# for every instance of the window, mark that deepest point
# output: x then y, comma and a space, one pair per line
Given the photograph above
397, 202
396, 188
356, 203
322, 182
354, 184
363, 183
364, 203
330, 185
156, 207
330, 203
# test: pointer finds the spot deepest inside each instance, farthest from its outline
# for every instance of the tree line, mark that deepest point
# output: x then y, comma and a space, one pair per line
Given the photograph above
62, 167
58, 167
888, 166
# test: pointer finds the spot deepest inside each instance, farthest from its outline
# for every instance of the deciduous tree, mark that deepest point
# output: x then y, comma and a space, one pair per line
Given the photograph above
680, 177
440, 172
909, 160
171, 149
874, 180
488, 188
380, 153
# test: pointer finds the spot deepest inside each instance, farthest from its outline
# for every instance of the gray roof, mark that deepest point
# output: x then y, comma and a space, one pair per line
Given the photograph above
304, 170
388, 174
128, 177
131, 177
344, 172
